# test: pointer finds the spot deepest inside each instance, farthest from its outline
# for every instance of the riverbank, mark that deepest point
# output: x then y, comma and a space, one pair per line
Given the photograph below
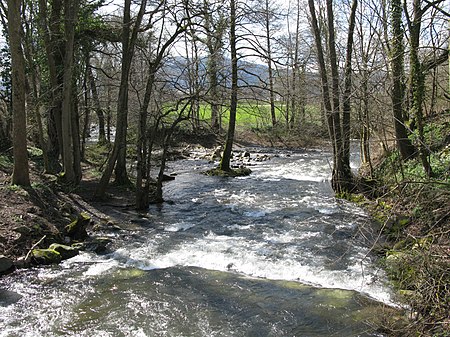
415, 223
413, 210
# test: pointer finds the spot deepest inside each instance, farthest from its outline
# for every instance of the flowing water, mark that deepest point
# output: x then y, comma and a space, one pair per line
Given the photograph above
272, 254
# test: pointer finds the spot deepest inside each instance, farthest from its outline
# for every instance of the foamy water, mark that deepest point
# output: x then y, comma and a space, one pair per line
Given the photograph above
223, 257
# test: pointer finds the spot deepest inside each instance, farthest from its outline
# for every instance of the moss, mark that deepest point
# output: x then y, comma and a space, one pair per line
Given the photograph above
129, 273
352, 197
66, 252
34, 151
77, 228
46, 256
240, 172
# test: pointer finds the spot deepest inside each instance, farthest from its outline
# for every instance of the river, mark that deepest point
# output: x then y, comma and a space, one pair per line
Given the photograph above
271, 254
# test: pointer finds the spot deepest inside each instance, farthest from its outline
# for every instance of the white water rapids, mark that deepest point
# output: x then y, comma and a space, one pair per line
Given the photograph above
280, 224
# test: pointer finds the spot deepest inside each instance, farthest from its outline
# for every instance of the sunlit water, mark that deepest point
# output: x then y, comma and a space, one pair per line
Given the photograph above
272, 254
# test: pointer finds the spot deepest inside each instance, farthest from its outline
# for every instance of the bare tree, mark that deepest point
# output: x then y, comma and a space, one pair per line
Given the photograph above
342, 178
215, 26
226, 157
117, 158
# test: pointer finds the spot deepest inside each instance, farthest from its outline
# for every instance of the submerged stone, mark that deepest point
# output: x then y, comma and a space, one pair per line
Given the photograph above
46, 256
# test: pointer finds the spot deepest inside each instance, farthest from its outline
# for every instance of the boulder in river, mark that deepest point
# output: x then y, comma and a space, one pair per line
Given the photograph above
66, 252
76, 230
46, 256
5, 264
97, 244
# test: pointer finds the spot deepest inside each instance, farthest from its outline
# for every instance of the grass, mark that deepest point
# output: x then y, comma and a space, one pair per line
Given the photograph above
254, 115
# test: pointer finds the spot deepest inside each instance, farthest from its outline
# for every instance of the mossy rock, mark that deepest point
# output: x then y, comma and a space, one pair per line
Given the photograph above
46, 256
239, 172
66, 252
76, 230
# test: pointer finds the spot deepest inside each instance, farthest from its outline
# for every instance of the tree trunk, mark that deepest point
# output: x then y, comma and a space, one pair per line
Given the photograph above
76, 141
417, 79
323, 72
87, 108
20, 174
342, 179
335, 88
214, 42
54, 51
70, 15
295, 83
404, 145
142, 190
227, 152
346, 180
98, 108
34, 101
269, 66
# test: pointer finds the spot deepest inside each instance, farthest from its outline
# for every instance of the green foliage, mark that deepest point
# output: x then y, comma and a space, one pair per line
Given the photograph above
6, 163
39, 186
352, 197
420, 275
34, 151
392, 170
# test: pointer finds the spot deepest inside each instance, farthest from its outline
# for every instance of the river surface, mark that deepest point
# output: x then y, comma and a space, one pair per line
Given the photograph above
272, 254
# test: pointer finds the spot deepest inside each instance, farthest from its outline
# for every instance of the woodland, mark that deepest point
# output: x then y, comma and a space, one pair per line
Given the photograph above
105, 93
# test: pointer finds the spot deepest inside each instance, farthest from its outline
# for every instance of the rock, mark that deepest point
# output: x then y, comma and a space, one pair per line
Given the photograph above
76, 230
98, 245
32, 210
46, 256
24, 230
9, 297
5, 264
246, 154
167, 177
238, 172
22, 262
66, 252
216, 155
113, 227
66, 209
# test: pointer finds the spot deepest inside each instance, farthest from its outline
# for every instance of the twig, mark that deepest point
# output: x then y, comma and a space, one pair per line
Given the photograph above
34, 246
